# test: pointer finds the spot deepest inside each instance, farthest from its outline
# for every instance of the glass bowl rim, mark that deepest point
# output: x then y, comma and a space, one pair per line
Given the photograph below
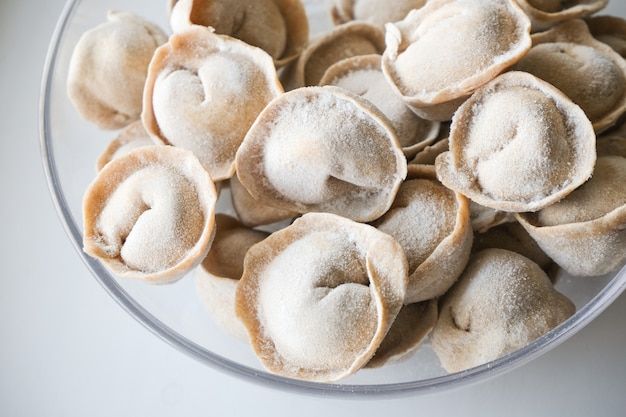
581, 318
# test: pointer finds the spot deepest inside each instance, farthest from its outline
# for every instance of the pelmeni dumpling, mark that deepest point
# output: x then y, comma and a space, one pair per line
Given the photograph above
149, 215
502, 302
322, 149
439, 54
279, 27
585, 233
432, 224
586, 70
518, 144
319, 296
108, 69
204, 91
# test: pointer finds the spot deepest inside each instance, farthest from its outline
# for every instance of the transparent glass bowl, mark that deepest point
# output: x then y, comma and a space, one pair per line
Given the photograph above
70, 147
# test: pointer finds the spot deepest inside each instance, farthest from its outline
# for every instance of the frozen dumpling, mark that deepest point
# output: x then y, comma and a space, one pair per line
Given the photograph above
518, 144
585, 233
432, 224
546, 13
377, 12
319, 296
203, 93
132, 136
322, 149
341, 42
149, 215
502, 302
363, 75
586, 70
441, 53
108, 69
218, 275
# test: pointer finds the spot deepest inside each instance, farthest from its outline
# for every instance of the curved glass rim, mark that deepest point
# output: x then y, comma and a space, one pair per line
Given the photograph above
494, 368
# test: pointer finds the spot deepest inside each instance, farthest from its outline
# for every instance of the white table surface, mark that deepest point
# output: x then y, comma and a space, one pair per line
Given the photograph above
68, 349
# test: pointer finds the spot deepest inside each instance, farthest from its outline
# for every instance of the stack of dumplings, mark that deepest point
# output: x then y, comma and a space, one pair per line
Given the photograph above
420, 175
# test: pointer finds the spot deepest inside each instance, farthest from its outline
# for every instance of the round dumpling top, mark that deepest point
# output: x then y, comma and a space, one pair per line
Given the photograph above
502, 302
432, 224
319, 296
518, 144
588, 71
322, 149
204, 91
108, 69
149, 214
439, 54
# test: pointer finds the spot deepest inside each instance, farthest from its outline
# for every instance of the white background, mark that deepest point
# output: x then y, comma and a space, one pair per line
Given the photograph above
68, 349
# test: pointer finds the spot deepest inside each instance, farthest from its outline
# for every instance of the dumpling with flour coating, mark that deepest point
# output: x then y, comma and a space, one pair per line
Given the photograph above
409, 330
149, 215
547, 13
322, 149
218, 275
327, 48
251, 211
585, 233
586, 70
378, 12
204, 91
609, 29
518, 144
132, 136
108, 69
319, 296
502, 302
432, 224
441, 53
363, 75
